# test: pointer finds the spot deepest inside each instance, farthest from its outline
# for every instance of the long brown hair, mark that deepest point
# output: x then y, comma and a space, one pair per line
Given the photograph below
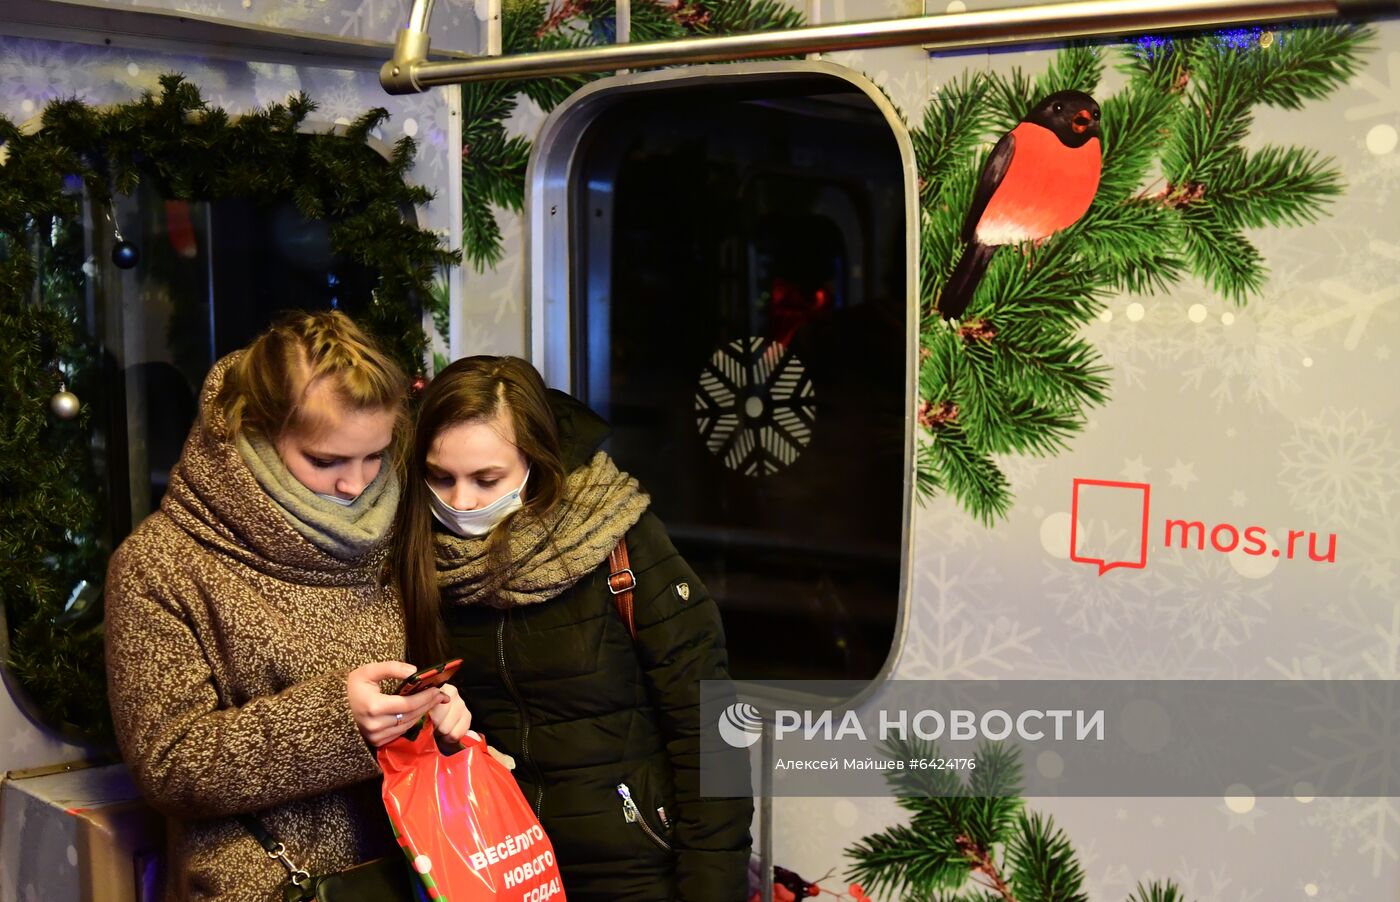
265, 389
471, 390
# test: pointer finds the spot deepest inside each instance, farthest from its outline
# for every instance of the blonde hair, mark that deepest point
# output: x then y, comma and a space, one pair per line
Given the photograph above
265, 389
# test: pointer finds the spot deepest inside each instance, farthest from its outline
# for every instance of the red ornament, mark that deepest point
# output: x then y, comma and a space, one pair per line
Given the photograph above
419, 383
179, 229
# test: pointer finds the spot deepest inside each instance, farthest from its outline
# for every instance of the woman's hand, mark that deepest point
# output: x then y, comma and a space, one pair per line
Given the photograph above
450, 716
384, 718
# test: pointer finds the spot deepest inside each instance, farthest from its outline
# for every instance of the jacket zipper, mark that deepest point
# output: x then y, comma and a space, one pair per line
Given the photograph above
632, 815
524, 714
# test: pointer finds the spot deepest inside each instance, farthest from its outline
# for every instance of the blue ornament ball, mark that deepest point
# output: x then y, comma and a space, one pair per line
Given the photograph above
125, 255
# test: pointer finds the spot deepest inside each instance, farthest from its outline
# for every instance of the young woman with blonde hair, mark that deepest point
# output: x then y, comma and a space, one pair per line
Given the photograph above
249, 626
509, 518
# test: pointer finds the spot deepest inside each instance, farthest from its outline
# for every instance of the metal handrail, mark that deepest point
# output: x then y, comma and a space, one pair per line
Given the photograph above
418, 16
409, 71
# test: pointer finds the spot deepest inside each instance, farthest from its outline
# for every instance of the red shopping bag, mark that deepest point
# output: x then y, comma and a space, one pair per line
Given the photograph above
464, 823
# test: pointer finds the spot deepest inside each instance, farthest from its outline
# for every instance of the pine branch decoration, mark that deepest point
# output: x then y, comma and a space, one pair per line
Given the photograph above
1042, 863
1157, 891
1014, 376
971, 839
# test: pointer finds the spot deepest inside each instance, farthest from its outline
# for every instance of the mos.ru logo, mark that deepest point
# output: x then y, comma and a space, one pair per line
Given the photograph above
740, 725
1119, 533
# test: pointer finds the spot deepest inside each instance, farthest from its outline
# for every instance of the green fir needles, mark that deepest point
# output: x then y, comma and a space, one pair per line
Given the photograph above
972, 840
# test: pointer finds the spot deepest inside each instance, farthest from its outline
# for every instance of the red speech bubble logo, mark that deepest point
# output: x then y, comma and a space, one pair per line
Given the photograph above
1094, 487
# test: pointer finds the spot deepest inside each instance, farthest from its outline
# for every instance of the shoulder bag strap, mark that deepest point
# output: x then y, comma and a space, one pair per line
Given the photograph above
274, 849
621, 582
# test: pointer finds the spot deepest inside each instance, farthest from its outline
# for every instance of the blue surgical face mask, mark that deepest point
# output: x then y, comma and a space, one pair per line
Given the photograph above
479, 522
343, 502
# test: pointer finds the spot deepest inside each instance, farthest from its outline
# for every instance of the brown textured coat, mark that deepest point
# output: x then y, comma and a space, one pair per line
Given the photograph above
229, 638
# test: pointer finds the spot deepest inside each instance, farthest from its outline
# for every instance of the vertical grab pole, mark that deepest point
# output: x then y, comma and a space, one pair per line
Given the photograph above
765, 828
493, 28
623, 26
398, 75
456, 289
419, 15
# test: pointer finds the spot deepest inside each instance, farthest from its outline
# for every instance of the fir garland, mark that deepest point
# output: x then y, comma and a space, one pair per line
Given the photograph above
1015, 376
49, 502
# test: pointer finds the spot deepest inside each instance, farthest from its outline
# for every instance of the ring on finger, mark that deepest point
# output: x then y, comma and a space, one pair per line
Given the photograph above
398, 719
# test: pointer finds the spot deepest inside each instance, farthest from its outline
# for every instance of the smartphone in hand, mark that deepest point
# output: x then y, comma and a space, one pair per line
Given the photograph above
429, 677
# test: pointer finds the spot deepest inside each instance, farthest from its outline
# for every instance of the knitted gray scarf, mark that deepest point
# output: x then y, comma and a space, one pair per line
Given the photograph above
345, 533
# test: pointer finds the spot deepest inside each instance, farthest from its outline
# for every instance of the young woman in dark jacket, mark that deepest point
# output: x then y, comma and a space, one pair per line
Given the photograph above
503, 559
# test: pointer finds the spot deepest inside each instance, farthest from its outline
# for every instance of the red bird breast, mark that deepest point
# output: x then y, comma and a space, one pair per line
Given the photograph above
1047, 187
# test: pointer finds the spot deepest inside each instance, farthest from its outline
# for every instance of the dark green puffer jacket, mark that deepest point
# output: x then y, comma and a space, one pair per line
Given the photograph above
561, 686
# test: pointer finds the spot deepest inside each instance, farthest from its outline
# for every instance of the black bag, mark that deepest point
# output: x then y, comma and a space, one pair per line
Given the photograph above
385, 879
380, 880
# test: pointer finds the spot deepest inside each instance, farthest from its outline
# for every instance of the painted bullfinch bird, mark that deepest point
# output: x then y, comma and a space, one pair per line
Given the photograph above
1040, 178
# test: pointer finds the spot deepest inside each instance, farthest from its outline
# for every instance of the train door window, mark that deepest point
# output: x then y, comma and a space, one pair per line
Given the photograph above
739, 313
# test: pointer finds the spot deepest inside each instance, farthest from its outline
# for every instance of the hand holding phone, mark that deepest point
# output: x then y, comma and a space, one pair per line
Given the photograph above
429, 677
382, 718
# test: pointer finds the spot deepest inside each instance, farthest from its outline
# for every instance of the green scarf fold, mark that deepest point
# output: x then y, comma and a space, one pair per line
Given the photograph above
345, 533
545, 557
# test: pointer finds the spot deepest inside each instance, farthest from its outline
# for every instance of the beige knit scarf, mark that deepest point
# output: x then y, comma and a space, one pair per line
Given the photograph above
545, 557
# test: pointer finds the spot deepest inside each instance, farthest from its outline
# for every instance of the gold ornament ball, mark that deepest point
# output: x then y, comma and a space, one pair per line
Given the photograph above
64, 405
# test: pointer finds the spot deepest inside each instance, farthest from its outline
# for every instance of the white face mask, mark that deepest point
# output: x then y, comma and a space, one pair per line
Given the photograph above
343, 502
481, 521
